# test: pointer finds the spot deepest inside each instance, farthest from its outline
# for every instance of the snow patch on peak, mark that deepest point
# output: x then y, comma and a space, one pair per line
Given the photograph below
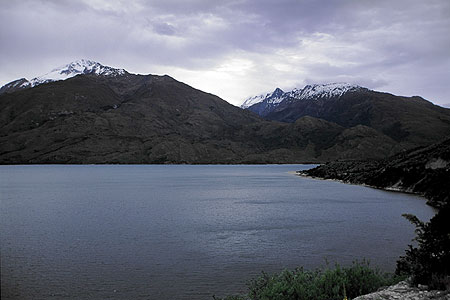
328, 90
82, 66
313, 91
14, 85
275, 97
253, 100
277, 93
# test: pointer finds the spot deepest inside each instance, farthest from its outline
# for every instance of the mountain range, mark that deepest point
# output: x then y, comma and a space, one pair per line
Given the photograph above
410, 121
85, 112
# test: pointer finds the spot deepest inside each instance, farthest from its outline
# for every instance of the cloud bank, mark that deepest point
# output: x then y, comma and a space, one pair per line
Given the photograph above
238, 48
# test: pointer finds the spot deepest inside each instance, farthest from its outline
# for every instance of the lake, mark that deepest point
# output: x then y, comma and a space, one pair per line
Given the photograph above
183, 231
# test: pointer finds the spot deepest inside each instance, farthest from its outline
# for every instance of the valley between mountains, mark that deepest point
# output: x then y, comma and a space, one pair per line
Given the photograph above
87, 113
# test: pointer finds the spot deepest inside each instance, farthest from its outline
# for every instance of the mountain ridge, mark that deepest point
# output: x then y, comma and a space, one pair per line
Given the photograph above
314, 91
132, 118
78, 67
412, 121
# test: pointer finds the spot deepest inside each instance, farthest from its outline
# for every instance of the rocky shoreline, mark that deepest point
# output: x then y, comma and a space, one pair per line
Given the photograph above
404, 291
422, 171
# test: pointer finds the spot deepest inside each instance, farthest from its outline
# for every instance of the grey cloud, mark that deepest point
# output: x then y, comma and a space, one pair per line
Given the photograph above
163, 28
399, 45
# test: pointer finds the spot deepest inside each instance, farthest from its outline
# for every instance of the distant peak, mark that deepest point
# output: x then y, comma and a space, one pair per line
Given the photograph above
86, 66
80, 63
277, 93
274, 97
77, 67
14, 85
332, 85
81, 66
327, 90
84, 61
310, 91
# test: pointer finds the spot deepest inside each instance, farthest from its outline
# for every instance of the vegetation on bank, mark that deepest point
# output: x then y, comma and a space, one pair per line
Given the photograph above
323, 283
429, 262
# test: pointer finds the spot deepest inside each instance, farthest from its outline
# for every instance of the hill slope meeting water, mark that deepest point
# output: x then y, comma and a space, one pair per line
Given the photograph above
86, 112
424, 171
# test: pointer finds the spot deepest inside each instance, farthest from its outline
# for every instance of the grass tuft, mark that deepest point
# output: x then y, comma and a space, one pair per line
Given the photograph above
320, 284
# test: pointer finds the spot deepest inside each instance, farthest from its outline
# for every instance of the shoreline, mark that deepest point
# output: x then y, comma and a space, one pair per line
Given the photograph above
387, 189
160, 164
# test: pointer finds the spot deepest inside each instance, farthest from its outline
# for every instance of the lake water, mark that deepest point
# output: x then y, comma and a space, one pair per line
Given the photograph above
184, 232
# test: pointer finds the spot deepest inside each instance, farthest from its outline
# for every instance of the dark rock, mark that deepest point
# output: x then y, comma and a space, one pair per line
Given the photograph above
404, 291
424, 171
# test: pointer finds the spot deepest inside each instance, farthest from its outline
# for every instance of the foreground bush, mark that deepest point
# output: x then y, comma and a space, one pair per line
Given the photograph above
429, 262
327, 283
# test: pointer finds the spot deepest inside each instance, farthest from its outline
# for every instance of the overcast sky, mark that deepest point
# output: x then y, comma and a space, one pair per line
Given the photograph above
238, 48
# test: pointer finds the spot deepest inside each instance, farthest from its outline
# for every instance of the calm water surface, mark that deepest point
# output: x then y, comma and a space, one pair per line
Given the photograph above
184, 232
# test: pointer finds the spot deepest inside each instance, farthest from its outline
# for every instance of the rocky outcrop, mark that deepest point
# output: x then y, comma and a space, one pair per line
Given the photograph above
404, 291
424, 171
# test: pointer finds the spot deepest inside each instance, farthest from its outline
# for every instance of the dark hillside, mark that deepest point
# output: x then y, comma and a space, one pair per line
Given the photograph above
155, 119
411, 121
425, 171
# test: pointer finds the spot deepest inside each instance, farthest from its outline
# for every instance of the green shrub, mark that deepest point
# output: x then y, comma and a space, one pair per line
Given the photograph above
429, 262
324, 283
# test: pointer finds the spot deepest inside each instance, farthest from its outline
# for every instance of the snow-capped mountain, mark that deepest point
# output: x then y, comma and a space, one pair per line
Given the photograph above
273, 98
315, 91
82, 66
314, 100
321, 91
105, 117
